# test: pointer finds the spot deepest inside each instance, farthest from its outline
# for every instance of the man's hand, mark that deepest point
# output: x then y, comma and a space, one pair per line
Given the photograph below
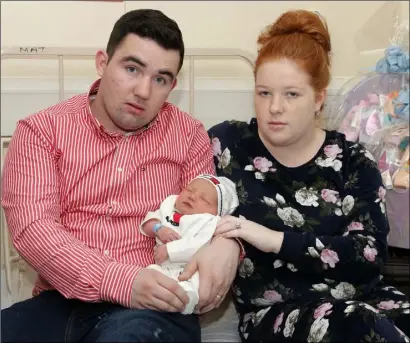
166, 234
160, 254
156, 291
215, 279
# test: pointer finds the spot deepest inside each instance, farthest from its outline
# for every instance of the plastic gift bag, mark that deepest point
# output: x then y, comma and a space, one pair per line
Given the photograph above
369, 103
387, 27
397, 209
379, 95
373, 109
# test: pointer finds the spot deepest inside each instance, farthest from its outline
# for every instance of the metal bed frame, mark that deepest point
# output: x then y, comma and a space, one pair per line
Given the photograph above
79, 53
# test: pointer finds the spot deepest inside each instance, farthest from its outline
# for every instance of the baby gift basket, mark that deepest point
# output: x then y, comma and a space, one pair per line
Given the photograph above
373, 109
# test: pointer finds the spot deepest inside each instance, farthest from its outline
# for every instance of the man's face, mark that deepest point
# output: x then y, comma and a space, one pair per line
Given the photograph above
135, 83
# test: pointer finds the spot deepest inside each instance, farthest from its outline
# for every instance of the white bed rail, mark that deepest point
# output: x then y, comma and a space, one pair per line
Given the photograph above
6, 257
61, 54
80, 53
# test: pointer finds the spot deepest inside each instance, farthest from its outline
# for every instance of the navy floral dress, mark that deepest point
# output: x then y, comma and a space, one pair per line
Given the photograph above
325, 283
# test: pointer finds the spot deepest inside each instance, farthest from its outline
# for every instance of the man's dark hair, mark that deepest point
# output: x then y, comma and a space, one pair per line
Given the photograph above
151, 24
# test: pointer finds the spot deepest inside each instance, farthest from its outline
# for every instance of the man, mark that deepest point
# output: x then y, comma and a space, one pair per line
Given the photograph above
78, 179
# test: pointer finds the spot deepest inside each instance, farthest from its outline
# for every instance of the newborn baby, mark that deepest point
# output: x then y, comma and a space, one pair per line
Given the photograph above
186, 222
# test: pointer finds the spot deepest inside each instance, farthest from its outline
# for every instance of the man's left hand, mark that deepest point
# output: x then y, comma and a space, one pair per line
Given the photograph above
215, 279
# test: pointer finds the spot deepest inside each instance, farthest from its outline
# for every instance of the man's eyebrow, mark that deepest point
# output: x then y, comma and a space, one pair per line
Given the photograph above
136, 60
167, 72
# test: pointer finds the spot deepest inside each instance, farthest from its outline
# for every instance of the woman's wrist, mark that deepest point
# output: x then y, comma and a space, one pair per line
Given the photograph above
277, 240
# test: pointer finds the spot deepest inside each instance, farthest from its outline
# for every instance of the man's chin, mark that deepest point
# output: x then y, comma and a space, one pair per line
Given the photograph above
130, 127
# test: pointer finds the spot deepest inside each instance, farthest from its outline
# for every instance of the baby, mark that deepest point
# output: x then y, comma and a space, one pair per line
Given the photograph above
186, 222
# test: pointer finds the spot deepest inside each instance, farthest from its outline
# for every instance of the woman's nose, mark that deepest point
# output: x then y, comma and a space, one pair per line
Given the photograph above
276, 105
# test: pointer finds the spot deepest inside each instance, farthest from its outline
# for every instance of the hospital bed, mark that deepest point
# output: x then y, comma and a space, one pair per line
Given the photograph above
217, 326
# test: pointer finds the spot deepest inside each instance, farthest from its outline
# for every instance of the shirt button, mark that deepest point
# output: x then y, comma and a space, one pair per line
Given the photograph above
106, 252
114, 202
119, 169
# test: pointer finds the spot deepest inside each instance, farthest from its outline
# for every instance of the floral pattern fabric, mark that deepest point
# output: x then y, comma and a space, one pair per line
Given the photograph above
325, 283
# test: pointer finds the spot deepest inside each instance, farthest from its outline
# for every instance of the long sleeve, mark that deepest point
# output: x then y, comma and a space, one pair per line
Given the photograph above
165, 209
199, 159
358, 252
225, 165
31, 201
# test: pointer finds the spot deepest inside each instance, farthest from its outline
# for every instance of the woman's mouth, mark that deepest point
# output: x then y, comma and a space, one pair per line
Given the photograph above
276, 125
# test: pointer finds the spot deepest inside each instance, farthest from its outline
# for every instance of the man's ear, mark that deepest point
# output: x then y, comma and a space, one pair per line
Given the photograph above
101, 61
174, 83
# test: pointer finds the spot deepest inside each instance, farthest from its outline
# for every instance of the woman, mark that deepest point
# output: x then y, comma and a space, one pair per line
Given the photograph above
312, 212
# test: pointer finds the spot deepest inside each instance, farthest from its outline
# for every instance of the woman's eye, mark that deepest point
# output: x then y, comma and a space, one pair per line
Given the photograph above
292, 94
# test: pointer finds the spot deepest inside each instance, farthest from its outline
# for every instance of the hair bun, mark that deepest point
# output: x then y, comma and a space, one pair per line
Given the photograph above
299, 22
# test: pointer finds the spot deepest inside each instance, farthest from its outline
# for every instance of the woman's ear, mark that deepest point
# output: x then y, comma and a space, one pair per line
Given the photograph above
320, 99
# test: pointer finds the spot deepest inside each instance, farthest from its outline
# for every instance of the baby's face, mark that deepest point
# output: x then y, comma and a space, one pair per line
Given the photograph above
198, 197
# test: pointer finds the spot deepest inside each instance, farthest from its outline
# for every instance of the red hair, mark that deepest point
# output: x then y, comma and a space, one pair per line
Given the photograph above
303, 37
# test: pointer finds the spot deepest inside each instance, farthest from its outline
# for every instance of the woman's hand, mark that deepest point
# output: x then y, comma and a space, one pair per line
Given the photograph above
259, 236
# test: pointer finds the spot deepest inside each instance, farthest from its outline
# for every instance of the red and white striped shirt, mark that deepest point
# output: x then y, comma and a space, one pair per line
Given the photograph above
74, 194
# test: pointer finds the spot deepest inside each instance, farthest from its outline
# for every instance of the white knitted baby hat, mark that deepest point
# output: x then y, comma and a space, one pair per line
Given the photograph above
227, 197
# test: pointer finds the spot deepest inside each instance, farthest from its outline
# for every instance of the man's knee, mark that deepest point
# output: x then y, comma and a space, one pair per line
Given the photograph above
128, 325
41, 318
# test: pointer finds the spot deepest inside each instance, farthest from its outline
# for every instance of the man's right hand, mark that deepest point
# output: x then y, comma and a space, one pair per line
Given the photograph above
156, 291
166, 234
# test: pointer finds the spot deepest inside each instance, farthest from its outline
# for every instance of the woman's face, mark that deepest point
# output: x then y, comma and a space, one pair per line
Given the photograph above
285, 102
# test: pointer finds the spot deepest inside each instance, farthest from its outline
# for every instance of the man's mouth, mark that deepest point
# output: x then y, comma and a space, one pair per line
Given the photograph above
133, 104
134, 108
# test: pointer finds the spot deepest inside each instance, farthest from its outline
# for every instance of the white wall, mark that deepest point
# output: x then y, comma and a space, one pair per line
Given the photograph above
203, 23
237, 24
223, 89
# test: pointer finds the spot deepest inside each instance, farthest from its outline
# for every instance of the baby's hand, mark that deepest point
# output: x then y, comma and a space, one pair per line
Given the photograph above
160, 254
166, 234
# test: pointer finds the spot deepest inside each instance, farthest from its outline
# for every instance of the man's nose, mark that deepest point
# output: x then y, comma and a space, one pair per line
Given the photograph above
143, 88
